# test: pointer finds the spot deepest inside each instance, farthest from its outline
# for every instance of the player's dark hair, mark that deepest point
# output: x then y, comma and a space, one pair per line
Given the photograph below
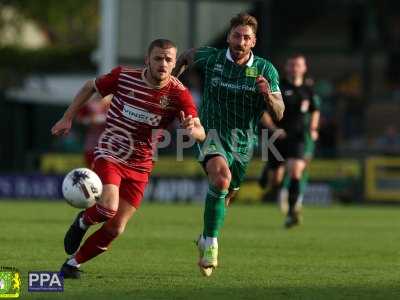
297, 55
161, 43
244, 19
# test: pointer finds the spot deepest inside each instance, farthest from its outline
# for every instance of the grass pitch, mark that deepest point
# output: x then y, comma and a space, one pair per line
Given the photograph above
339, 253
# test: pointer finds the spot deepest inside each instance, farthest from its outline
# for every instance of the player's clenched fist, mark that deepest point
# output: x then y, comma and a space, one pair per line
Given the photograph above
263, 85
62, 127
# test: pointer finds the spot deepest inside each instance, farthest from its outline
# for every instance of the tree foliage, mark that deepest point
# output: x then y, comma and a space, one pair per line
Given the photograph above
65, 23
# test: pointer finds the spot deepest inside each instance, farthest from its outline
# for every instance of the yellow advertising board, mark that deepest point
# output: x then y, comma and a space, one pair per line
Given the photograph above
382, 179
60, 163
188, 173
320, 169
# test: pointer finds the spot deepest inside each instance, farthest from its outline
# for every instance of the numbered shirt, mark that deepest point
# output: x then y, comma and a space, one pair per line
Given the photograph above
137, 112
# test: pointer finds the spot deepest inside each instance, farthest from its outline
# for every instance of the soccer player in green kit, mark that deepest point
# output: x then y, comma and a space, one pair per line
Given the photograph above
237, 87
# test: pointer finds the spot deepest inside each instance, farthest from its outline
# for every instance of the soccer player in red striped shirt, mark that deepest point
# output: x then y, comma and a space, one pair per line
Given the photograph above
144, 100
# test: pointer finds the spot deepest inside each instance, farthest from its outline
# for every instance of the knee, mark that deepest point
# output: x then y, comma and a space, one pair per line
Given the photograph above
297, 170
295, 176
109, 198
219, 174
221, 180
296, 173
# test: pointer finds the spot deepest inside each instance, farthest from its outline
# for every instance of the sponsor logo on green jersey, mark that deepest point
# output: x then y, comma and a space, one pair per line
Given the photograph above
251, 72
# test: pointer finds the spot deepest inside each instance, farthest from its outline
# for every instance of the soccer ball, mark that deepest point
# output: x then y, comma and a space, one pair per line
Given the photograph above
82, 188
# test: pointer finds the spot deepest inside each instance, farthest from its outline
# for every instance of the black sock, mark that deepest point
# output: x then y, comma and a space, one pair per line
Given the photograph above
275, 189
294, 190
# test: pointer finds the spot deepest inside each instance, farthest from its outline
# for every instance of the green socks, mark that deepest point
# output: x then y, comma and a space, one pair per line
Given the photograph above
214, 211
303, 181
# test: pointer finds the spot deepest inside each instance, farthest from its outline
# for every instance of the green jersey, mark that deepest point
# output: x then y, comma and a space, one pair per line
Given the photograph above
231, 104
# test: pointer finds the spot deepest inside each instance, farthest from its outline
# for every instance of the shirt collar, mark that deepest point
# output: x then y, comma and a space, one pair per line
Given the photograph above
249, 62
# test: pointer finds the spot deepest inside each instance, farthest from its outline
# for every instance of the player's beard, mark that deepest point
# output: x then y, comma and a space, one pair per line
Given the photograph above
156, 77
239, 53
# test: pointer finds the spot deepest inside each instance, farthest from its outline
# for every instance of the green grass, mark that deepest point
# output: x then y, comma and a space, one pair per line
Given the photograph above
339, 253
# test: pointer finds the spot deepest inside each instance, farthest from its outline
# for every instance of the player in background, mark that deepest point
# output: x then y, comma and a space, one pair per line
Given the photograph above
144, 101
274, 171
299, 131
237, 87
93, 116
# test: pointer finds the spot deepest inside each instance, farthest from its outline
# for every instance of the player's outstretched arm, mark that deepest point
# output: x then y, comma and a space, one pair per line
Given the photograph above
184, 61
193, 127
274, 101
63, 126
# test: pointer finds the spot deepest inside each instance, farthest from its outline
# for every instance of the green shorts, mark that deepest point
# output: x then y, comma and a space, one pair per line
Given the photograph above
237, 162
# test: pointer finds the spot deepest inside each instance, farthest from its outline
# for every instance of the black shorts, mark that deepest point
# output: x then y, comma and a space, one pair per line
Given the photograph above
288, 148
273, 161
295, 148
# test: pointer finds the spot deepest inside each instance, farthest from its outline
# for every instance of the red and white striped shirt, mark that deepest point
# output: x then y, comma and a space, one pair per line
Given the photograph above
137, 110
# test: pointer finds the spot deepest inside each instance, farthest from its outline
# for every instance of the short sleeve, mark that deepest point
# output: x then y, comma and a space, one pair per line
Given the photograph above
107, 84
202, 55
315, 103
271, 74
187, 104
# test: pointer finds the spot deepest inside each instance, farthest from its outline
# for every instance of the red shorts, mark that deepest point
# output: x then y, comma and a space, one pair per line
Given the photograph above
130, 182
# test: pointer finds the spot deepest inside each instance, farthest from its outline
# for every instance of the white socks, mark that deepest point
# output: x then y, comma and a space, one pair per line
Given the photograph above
72, 262
202, 240
211, 241
82, 224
